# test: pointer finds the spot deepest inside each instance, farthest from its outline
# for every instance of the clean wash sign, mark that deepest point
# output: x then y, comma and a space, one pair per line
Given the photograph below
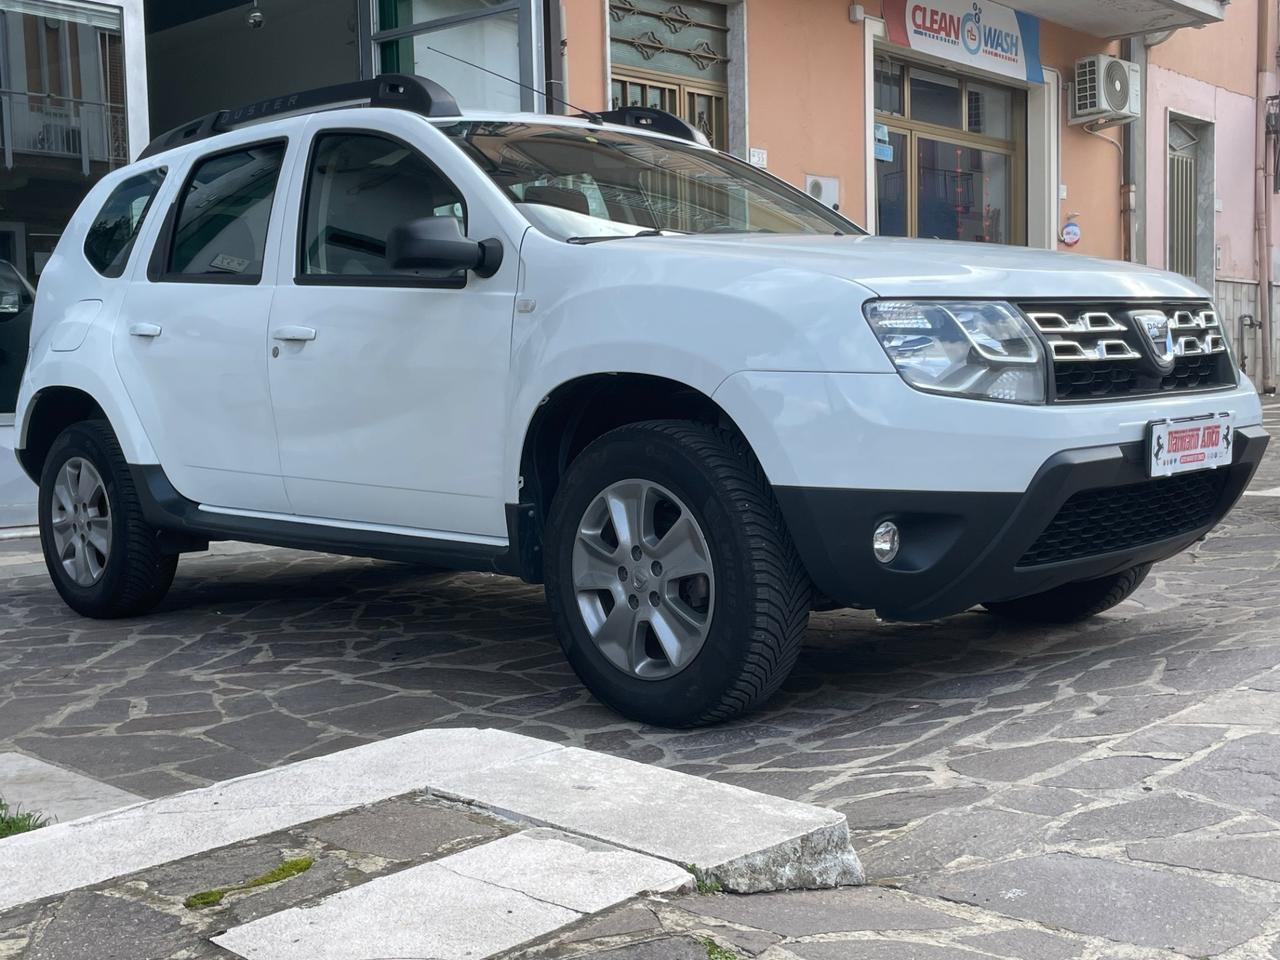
988, 36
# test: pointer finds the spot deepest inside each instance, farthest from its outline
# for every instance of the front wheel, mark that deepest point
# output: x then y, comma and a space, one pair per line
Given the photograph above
1073, 602
103, 557
675, 589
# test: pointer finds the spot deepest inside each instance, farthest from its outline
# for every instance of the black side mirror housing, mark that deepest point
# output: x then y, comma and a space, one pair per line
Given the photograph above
437, 243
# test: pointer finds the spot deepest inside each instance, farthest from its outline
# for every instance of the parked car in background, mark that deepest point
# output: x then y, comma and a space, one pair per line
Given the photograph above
595, 353
17, 298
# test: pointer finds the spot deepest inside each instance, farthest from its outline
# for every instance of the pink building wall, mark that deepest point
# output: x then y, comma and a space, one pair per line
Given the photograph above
1233, 115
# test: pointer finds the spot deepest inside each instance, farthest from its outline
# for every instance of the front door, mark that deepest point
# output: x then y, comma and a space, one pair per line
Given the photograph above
190, 344
389, 389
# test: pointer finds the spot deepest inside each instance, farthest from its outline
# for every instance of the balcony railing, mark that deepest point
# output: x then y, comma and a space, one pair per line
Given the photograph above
49, 126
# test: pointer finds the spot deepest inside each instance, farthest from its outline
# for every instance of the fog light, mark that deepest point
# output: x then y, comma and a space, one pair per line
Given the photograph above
885, 542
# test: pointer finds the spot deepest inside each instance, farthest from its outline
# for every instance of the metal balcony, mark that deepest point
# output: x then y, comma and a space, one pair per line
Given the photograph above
46, 126
1113, 19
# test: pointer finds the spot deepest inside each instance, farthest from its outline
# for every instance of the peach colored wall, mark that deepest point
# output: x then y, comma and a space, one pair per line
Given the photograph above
1223, 55
584, 30
805, 85
1091, 169
1233, 117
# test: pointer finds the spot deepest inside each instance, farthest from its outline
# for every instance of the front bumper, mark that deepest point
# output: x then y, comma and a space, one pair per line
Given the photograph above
964, 548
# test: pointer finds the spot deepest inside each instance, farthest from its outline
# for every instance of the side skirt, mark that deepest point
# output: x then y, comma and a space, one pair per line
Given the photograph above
187, 528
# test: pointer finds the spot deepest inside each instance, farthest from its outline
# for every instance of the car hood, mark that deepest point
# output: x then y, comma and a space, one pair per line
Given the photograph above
896, 267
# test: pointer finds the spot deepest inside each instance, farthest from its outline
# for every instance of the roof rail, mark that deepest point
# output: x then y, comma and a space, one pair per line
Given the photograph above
400, 91
647, 118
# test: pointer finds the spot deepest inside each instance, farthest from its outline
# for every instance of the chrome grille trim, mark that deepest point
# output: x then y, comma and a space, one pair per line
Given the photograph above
1069, 351
1120, 349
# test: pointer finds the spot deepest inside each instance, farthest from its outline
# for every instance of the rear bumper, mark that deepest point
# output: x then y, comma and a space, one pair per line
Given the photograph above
961, 549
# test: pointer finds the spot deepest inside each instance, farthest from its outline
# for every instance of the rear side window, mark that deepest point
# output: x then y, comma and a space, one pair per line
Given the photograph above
360, 188
221, 228
110, 240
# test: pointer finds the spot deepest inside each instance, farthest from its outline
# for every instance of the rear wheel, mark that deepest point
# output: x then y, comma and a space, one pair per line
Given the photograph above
103, 557
676, 592
1073, 602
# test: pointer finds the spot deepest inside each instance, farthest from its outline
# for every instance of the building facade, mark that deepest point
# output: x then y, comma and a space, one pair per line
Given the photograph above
933, 118
73, 105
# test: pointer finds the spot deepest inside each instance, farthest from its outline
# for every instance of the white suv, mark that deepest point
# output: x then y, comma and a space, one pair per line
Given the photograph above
694, 402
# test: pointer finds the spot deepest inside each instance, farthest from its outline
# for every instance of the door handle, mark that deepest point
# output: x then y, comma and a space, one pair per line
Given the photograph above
294, 334
145, 330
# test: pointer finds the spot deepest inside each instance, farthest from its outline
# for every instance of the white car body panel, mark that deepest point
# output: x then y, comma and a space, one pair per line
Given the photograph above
395, 413
411, 406
874, 432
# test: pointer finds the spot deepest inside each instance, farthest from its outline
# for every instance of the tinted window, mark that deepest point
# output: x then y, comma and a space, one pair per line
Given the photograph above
110, 239
222, 223
360, 188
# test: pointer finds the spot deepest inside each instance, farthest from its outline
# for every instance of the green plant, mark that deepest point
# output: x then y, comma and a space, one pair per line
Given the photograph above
211, 898
717, 952
706, 883
15, 820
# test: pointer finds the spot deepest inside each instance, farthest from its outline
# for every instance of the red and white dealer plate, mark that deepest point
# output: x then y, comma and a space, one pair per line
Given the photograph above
1196, 443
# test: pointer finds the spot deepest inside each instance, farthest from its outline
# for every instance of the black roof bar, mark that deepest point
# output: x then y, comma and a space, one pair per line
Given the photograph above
400, 91
647, 118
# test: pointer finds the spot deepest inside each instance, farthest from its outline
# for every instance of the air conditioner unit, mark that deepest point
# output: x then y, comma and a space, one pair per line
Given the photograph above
1108, 91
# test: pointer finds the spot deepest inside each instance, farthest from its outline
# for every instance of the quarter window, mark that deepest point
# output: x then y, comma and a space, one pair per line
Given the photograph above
111, 238
221, 227
361, 187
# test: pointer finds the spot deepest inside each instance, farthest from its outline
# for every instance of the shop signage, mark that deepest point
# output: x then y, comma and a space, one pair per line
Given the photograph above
977, 33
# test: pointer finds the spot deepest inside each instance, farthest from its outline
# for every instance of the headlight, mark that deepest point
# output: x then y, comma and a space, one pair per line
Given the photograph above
970, 349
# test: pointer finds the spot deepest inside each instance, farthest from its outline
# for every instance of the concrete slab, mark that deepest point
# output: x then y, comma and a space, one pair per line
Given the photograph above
464, 907
747, 841
147, 834
53, 792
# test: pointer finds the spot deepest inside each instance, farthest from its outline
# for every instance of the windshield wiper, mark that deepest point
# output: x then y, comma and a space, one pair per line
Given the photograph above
616, 236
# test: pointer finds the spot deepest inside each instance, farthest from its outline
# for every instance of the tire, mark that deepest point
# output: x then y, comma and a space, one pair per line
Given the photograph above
1073, 602
123, 572
752, 600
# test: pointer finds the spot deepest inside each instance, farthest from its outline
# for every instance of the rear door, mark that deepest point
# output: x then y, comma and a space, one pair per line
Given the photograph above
191, 341
389, 389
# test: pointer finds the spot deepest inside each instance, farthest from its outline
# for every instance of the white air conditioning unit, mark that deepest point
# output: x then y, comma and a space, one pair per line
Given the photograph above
1108, 91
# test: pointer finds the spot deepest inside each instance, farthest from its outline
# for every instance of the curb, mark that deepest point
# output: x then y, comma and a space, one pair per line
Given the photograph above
745, 841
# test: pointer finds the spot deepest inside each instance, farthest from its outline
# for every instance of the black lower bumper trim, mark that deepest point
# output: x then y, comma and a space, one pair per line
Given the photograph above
961, 549
189, 527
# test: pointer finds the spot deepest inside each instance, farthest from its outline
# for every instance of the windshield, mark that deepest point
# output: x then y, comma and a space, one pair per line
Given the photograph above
586, 183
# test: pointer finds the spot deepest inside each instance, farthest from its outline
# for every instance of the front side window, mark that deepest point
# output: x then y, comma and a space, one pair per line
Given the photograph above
361, 187
221, 227
584, 183
110, 240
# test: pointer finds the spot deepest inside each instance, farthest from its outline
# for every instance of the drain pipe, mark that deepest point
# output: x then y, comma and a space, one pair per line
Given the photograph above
1265, 186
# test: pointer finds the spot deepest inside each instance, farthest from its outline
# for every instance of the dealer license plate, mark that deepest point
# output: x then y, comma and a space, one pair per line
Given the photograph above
1196, 443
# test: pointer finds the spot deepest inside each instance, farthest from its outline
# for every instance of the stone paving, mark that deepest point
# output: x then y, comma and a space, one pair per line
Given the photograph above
1110, 790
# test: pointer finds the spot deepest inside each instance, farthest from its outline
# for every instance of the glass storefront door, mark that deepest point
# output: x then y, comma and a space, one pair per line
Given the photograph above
950, 156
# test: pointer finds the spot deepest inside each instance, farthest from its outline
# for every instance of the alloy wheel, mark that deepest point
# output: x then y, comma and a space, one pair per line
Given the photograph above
81, 521
643, 579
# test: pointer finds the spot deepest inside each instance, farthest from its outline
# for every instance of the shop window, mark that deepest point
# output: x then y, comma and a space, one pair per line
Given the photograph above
935, 98
950, 156
110, 239
471, 47
361, 188
221, 232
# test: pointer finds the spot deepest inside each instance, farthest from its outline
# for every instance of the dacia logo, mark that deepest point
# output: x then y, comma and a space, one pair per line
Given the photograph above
1159, 332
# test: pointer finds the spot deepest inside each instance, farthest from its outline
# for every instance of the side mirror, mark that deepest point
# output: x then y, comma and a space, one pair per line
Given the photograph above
437, 243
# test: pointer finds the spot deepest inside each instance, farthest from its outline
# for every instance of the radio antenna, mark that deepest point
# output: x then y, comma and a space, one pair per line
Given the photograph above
589, 114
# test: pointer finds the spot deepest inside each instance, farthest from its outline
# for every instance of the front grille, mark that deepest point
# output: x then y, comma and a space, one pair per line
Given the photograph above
1121, 350
1094, 522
